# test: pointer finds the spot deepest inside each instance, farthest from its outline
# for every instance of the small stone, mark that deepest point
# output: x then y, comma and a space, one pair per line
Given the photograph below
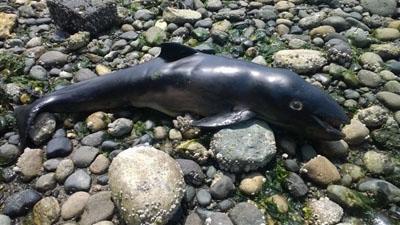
382, 8
217, 218
373, 116
102, 69
300, 60
346, 197
74, 206
252, 184
120, 127
335, 149
99, 165
245, 214
64, 169
46, 182
94, 139
354, 171
322, 31
371, 61
389, 99
280, 202
83, 156
387, 50
321, 171
37, 72
58, 147
175, 134
7, 23
99, 207
97, 121
377, 186
221, 187
377, 163
191, 171
180, 16
214, 5
295, 185
53, 58
78, 40
78, 181
326, 212
192, 150
193, 219
155, 36
20, 203
46, 211
369, 78
8, 154
30, 163
43, 128
84, 74
5, 220
160, 133
203, 197
356, 132
104, 223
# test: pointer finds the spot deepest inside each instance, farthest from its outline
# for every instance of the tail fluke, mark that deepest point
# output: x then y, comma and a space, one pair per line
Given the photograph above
25, 116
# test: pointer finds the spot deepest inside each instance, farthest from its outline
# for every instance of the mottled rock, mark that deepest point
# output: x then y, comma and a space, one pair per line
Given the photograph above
221, 187
83, 15
387, 34
244, 147
191, 171
245, 213
321, 171
373, 116
43, 128
300, 60
120, 127
377, 163
64, 169
7, 23
382, 8
355, 132
325, 212
8, 154
155, 36
180, 16
99, 165
83, 156
46, 182
30, 163
295, 185
251, 184
346, 197
155, 179
53, 58
46, 211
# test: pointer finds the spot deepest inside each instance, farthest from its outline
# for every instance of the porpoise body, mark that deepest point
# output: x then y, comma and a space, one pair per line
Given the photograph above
223, 91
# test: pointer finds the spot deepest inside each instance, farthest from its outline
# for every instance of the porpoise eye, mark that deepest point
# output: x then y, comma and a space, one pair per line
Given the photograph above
296, 105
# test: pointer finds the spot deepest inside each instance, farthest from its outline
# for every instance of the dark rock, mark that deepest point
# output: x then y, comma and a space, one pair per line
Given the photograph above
222, 187
245, 213
83, 15
191, 171
21, 202
295, 185
78, 181
59, 147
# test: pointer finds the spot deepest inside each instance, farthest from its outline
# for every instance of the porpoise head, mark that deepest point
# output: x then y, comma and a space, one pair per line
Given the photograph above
305, 109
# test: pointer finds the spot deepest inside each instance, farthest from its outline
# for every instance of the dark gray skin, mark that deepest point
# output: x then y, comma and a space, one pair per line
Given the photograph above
222, 90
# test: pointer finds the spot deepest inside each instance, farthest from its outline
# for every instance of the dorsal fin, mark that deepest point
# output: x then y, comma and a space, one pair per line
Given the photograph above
174, 51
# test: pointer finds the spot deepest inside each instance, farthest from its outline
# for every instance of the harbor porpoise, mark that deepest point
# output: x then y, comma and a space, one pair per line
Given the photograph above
221, 90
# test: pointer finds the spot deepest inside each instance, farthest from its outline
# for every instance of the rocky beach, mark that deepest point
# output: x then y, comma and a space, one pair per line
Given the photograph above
137, 166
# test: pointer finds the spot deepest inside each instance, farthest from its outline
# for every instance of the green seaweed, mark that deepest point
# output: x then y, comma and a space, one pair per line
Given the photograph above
11, 65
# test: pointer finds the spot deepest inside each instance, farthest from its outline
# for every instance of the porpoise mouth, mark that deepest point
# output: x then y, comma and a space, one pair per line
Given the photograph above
332, 127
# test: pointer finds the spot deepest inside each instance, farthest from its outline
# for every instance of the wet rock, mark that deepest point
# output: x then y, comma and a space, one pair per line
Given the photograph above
334, 149
158, 191
321, 171
390, 192
20, 203
300, 60
78, 40
377, 163
326, 212
355, 132
8, 154
64, 169
354, 171
7, 23
295, 185
74, 205
245, 213
83, 156
78, 181
58, 147
98, 207
180, 16
30, 163
382, 8
244, 147
191, 171
120, 127
252, 183
43, 128
346, 197
387, 50
389, 135
371, 61
46, 211
53, 58
83, 15
221, 187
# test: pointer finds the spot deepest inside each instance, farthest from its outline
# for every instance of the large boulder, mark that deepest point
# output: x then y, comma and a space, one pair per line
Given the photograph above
147, 185
83, 15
